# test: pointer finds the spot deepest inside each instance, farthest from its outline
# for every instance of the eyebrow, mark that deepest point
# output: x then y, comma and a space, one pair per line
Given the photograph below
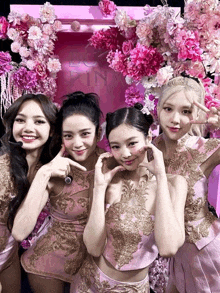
36, 116
184, 106
131, 138
82, 130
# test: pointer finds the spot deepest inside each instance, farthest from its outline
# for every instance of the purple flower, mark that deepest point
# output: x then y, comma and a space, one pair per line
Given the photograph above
5, 59
133, 96
25, 79
3, 27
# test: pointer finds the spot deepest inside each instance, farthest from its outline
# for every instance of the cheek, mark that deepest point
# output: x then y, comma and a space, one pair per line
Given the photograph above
115, 154
67, 143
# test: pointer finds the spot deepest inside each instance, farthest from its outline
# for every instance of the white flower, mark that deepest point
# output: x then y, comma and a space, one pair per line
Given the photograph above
15, 47
54, 65
48, 29
128, 80
148, 106
30, 64
34, 33
14, 17
149, 82
123, 21
164, 74
24, 52
57, 25
12, 33
47, 13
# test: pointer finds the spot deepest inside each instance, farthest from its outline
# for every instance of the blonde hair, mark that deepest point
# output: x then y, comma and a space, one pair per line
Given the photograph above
193, 90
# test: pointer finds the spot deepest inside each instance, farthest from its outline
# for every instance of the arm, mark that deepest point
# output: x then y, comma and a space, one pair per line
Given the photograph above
38, 195
95, 232
170, 200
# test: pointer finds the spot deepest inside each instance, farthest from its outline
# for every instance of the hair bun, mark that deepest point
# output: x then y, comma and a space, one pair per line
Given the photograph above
138, 106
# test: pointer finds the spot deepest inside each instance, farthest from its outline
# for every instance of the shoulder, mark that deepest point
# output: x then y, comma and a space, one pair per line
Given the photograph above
5, 163
176, 180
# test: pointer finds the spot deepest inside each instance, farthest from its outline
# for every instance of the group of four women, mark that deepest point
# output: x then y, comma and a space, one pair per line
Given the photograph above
119, 209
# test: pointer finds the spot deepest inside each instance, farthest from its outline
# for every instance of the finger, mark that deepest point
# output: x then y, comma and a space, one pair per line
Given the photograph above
77, 165
61, 152
214, 110
116, 169
202, 107
198, 121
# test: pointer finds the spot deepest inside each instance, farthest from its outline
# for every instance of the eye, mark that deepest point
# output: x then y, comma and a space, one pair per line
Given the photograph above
114, 147
40, 122
86, 133
187, 111
67, 136
132, 143
167, 109
19, 120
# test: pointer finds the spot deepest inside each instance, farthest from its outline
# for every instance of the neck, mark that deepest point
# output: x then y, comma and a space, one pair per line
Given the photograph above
169, 146
32, 158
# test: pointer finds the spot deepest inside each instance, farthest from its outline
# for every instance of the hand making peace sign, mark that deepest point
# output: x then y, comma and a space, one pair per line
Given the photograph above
212, 115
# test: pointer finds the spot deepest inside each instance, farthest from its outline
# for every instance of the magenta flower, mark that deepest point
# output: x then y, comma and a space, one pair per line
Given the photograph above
127, 46
5, 59
117, 61
3, 27
107, 7
211, 102
133, 96
144, 61
25, 79
109, 39
188, 45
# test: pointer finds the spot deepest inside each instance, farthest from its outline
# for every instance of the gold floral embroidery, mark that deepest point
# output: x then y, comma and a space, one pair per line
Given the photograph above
7, 188
90, 281
61, 237
130, 219
196, 233
186, 161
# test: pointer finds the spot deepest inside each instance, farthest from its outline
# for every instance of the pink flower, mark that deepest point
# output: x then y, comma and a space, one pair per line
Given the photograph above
57, 25
12, 33
47, 13
117, 61
25, 79
144, 32
127, 46
211, 102
133, 96
164, 74
188, 45
34, 33
107, 7
24, 52
48, 29
196, 69
15, 47
144, 61
109, 39
5, 59
40, 70
3, 27
53, 65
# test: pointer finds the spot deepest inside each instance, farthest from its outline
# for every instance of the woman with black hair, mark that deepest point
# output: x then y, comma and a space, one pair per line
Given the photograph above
58, 253
29, 124
136, 210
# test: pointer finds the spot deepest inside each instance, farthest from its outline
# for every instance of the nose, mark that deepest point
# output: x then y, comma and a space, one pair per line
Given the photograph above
175, 117
125, 152
29, 126
77, 142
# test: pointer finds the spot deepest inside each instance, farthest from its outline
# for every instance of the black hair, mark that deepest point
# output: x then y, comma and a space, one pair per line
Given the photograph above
77, 103
17, 155
132, 116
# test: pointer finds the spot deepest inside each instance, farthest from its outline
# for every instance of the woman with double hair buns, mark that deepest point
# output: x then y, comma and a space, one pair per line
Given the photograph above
182, 117
136, 210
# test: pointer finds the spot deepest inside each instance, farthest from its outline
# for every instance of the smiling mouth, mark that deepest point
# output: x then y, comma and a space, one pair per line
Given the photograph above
80, 152
28, 138
174, 129
128, 162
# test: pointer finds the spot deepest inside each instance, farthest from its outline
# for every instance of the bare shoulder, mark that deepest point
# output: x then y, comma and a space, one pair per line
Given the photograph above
176, 180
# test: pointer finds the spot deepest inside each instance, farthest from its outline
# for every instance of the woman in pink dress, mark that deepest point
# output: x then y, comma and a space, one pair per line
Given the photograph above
182, 116
136, 210
29, 124
59, 251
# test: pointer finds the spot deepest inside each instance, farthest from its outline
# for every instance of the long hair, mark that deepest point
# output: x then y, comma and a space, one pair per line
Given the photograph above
17, 155
76, 103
